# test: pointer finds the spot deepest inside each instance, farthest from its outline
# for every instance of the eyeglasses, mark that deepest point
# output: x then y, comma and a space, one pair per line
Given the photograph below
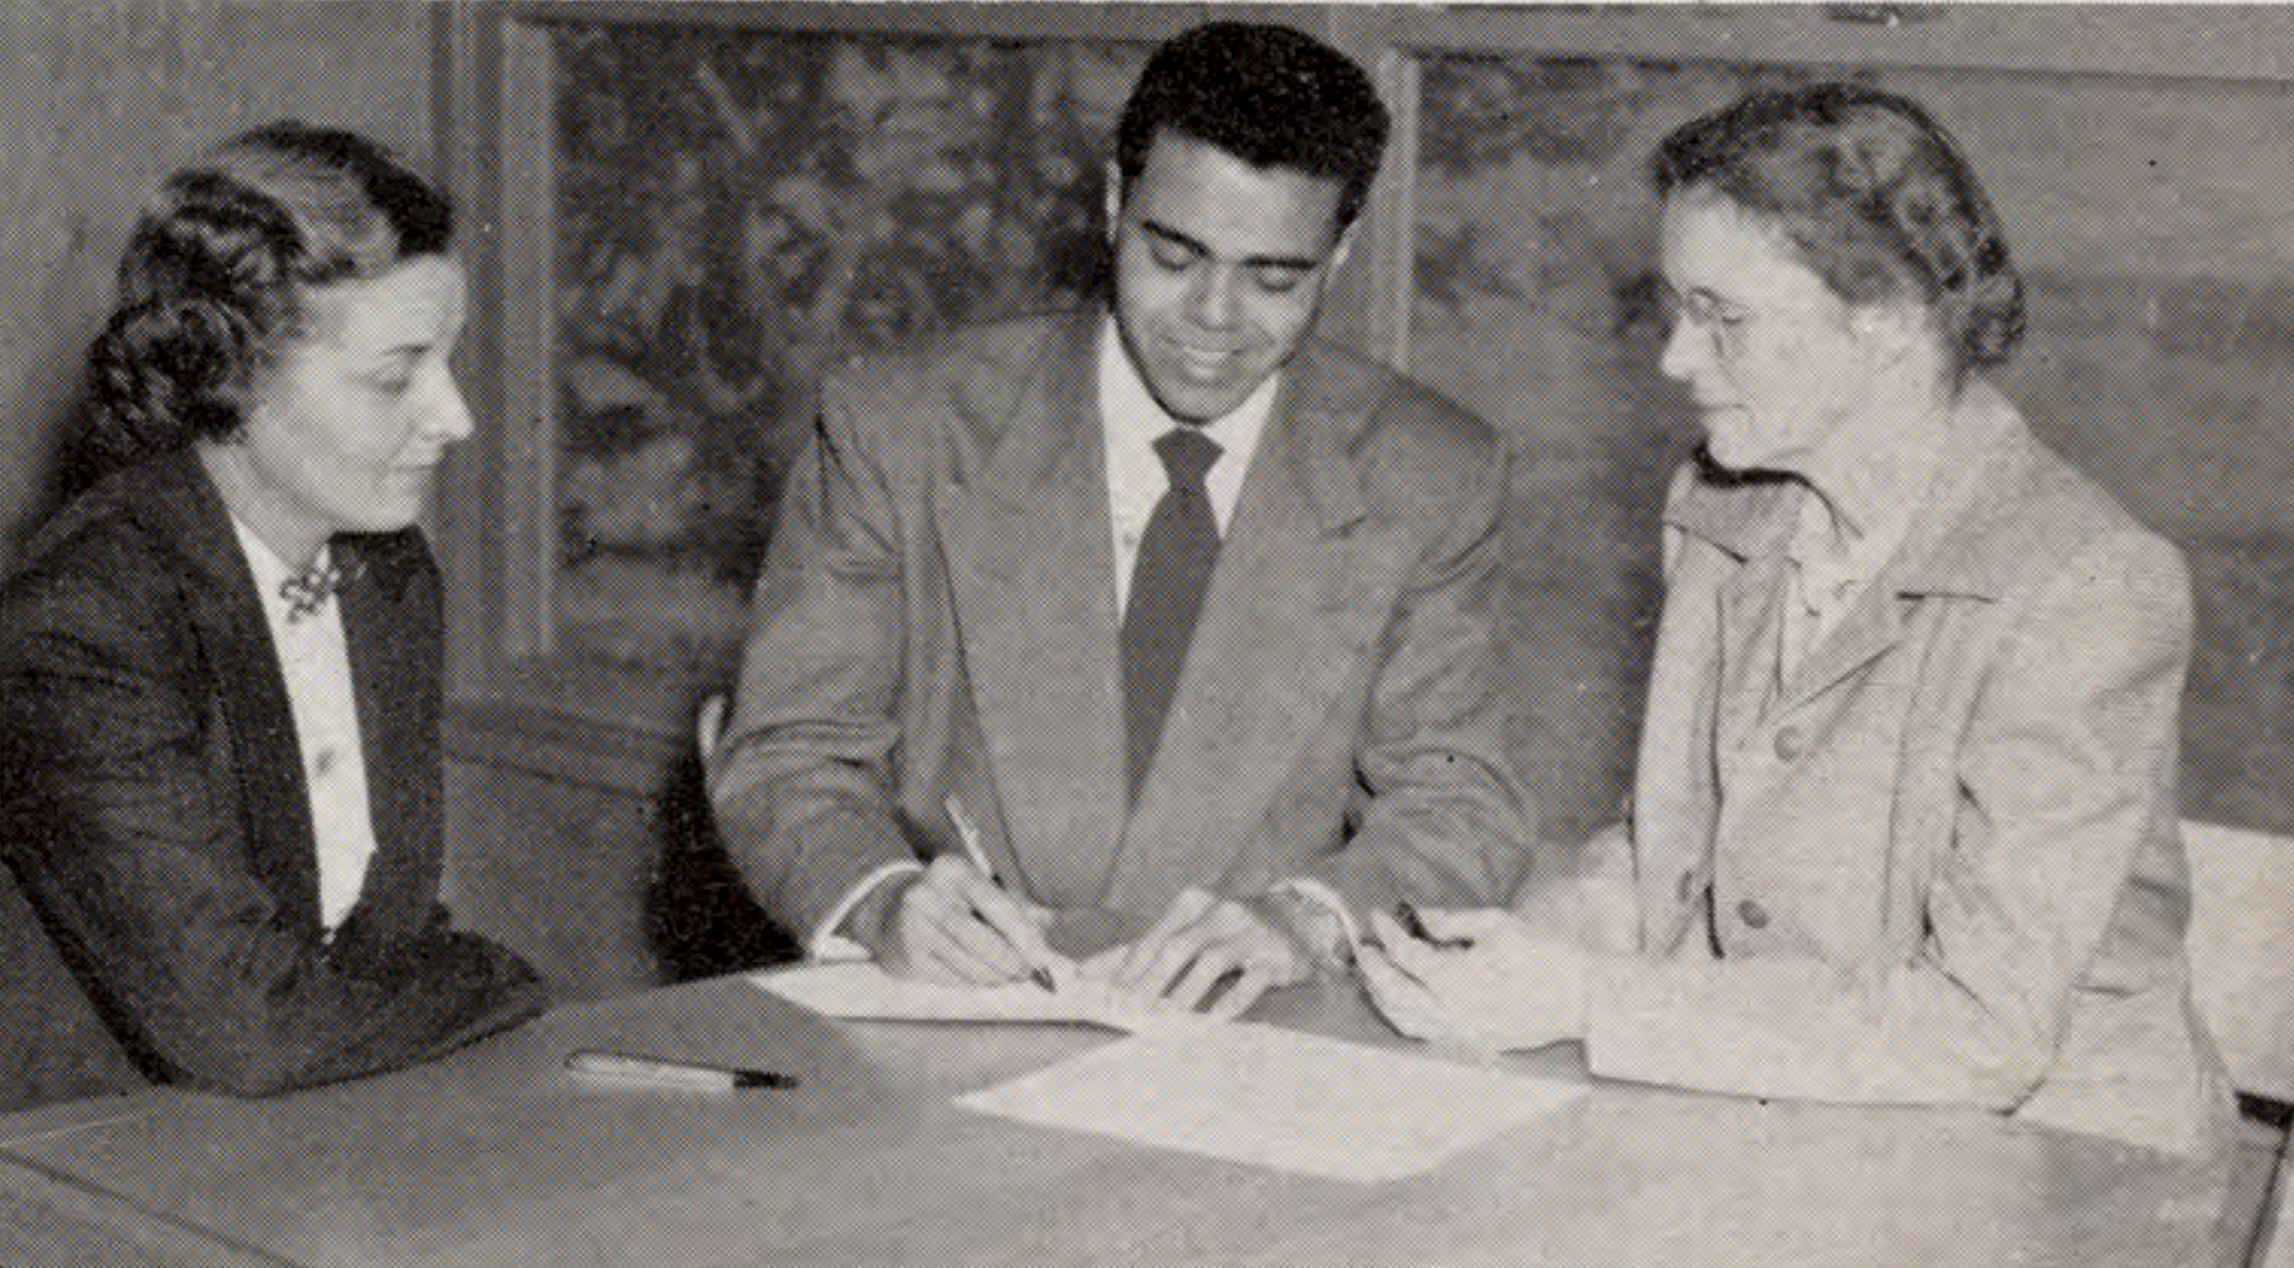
1702, 309
1722, 320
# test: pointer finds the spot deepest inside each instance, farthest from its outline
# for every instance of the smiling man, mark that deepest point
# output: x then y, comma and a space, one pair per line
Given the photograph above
1165, 618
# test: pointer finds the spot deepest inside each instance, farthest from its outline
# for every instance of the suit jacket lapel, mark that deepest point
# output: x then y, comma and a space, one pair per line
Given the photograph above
1025, 531
1288, 614
219, 592
390, 619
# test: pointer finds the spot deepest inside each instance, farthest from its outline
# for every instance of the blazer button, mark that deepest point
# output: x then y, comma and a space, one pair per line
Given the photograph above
1752, 914
1791, 742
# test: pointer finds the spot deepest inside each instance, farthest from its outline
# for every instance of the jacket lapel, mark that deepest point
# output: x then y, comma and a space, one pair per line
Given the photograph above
390, 619
1948, 551
1291, 606
1872, 625
227, 618
1025, 531
1753, 605
1749, 520
1751, 608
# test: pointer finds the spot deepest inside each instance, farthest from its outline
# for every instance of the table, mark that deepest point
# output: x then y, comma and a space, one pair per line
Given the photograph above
497, 1156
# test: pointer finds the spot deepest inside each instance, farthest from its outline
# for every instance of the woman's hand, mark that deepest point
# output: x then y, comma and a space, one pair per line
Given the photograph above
1480, 979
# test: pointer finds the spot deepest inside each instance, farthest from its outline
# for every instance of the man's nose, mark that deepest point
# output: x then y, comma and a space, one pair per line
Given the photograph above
1211, 303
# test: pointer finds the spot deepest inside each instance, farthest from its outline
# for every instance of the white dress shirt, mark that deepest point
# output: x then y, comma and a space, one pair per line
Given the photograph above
1132, 422
314, 658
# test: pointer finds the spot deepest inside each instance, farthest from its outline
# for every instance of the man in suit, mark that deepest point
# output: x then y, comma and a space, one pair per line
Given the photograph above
1225, 695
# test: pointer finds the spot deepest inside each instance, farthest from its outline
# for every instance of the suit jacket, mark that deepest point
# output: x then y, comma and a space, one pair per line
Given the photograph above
937, 618
154, 809
1940, 863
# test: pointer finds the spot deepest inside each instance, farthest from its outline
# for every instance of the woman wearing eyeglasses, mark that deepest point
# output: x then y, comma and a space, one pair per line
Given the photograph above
220, 780
1903, 826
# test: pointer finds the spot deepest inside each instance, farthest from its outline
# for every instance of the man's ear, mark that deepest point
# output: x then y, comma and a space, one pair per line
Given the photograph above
1114, 196
1339, 252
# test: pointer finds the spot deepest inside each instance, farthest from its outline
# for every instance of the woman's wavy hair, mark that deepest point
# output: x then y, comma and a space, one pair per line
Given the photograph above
1875, 195
215, 282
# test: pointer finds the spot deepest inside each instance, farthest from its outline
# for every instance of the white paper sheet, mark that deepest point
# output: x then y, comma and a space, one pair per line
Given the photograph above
860, 991
1276, 1098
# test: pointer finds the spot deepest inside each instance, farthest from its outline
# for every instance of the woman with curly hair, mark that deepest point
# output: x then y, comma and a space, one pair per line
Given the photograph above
220, 779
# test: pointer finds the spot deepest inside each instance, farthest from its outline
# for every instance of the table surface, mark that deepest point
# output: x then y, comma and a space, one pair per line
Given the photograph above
498, 1156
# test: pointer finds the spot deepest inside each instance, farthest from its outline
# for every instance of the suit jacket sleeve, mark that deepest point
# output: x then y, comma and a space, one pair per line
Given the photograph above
2065, 770
125, 826
801, 784
1444, 820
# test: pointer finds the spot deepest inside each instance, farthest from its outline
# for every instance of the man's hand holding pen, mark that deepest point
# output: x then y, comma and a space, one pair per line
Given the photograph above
956, 922
953, 923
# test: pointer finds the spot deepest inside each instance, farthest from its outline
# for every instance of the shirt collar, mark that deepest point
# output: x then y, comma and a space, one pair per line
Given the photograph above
272, 573
1823, 554
1134, 419
1967, 534
1870, 497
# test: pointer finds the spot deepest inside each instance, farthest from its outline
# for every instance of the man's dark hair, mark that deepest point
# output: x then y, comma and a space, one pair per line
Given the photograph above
1269, 95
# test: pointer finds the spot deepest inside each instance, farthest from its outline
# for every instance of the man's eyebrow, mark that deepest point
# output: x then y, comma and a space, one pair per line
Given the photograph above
1168, 234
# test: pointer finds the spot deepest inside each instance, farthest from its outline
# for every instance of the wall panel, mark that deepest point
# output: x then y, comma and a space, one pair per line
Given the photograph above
97, 102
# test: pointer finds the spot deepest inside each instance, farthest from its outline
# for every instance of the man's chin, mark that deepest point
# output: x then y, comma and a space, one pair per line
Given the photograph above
1199, 403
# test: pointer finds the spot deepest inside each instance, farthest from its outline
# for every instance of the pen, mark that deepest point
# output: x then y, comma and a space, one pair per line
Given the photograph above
635, 1069
968, 833
1415, 926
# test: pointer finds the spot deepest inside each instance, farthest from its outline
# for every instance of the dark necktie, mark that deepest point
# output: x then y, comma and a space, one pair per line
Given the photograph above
1176, 555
